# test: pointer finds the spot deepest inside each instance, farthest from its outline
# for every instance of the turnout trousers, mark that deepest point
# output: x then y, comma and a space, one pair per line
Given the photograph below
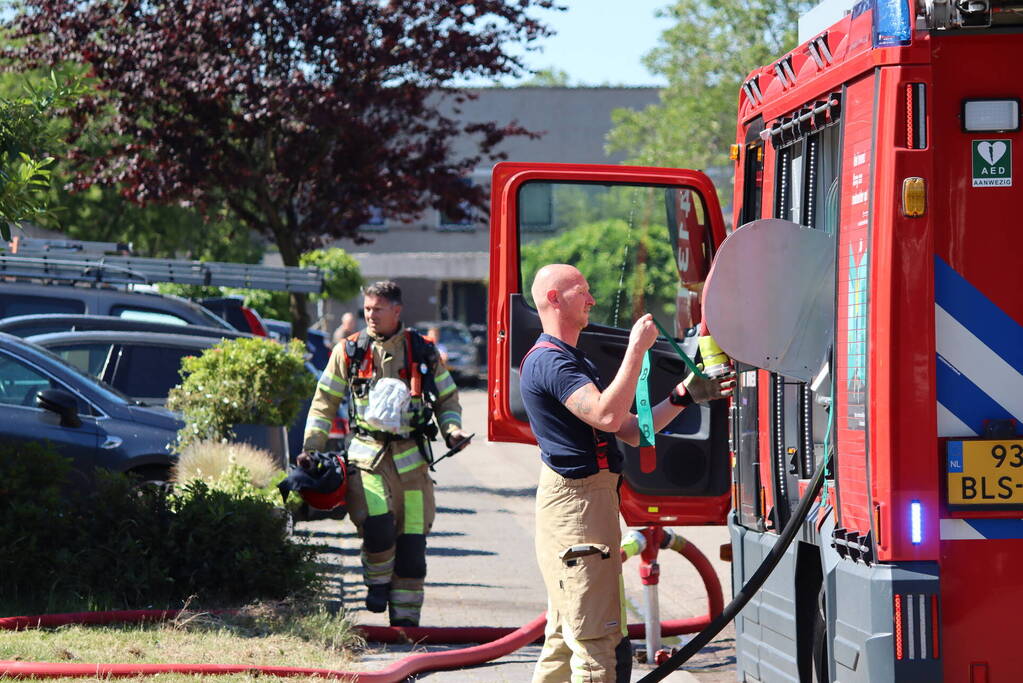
578, 548
393, 512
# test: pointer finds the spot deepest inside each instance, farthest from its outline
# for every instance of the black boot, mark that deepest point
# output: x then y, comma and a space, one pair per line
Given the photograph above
376, 597
404, 622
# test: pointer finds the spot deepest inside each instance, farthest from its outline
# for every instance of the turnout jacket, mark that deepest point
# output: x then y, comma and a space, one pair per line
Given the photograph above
389, 360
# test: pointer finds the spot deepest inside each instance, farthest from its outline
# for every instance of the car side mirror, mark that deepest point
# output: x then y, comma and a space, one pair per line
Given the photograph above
62, 403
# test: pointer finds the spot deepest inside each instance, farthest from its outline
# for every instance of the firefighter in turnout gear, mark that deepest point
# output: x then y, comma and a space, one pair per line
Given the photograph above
399, 395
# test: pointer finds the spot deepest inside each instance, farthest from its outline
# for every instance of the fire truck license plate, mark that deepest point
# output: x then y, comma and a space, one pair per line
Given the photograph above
985, 472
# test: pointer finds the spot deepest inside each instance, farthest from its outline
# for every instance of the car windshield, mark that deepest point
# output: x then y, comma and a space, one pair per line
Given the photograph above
109, 393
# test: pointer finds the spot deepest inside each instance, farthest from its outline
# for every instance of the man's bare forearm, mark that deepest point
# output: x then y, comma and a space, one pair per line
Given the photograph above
615, 401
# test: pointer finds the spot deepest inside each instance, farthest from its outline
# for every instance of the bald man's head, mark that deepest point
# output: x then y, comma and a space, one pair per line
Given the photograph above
561, 293
554, 278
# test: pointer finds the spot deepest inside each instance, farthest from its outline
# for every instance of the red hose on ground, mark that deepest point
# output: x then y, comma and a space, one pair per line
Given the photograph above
399, 671
482, 634
496, 642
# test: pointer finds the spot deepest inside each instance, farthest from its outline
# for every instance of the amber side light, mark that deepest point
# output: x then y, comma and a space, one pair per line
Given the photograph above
914, 197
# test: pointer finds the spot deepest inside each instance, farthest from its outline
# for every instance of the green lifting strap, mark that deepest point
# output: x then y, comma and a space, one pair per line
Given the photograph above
693, 367
644, 412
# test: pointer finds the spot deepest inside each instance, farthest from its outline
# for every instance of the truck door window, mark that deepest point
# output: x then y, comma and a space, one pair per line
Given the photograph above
642, 248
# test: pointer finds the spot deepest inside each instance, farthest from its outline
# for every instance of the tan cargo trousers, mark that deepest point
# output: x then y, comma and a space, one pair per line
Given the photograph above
578, 541
393, 512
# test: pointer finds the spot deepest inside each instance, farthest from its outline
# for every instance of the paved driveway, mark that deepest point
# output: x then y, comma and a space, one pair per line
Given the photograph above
482, 571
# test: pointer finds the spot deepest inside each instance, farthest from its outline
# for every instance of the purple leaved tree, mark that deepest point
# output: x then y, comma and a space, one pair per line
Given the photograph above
299, 115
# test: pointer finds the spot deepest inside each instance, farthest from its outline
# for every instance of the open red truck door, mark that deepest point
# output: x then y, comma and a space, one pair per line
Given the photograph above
644, 238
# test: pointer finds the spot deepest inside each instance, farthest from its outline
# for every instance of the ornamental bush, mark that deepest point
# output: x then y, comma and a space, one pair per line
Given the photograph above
240, 381
235, 468
122, 545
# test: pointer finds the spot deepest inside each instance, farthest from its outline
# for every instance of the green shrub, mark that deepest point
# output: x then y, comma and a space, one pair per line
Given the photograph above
33, 480
240, 381
126, 545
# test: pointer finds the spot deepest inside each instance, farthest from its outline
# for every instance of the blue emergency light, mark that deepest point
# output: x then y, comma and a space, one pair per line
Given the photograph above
892, 23
916, 527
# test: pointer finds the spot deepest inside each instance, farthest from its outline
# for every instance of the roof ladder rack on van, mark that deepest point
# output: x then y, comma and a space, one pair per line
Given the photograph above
88, 262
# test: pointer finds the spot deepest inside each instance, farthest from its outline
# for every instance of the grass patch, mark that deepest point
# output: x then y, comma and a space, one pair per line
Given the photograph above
264, 634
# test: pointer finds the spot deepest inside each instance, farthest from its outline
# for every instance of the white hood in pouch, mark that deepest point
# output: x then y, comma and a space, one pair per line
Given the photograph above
388, 400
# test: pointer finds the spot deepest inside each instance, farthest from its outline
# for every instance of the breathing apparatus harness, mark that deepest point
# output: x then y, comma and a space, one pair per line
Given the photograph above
420, 359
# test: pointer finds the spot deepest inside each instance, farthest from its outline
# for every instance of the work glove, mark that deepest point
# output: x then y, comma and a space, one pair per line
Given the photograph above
703, 390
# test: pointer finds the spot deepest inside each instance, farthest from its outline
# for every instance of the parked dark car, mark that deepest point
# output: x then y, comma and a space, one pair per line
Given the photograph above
28, 298
316, 341
479, 339
142, 365
145, 366
234, 311
45, 399
46, 323
457, 344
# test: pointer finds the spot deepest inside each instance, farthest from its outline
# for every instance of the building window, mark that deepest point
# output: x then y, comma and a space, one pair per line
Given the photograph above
451, 223
536, 207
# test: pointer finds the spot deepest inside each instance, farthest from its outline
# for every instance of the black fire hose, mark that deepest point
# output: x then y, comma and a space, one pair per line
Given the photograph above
751, 587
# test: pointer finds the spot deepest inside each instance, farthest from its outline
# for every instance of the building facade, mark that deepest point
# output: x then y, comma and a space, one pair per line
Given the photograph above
442, 264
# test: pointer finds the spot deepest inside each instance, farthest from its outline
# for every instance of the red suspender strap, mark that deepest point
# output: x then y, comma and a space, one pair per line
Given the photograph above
415, 377
601, 451
599, 444
539, 345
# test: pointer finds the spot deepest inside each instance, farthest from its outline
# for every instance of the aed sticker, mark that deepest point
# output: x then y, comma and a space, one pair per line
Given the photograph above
992, 163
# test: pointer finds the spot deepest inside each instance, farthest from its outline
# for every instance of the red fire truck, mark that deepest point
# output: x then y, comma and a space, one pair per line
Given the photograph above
894, 132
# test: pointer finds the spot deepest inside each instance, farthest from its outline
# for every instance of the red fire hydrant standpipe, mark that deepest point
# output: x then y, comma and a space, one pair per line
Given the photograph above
496, 642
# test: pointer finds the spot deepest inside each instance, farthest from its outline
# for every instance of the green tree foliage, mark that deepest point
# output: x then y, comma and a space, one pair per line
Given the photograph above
549, 77
706, 56
631, 272
101, 213
302, 117
342, 277
29, 137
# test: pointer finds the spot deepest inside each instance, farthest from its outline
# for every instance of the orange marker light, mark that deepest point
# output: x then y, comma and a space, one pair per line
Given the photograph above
914, 197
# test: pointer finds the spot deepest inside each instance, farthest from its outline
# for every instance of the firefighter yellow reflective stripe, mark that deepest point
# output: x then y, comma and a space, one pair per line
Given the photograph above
445, 385
333, 384
376, 498
317, 424
377, 572
413, 512
360, 450
623, 619
406, 604
451, 417
408, 460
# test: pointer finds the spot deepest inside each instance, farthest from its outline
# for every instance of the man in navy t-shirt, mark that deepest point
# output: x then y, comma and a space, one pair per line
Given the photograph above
575, 416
